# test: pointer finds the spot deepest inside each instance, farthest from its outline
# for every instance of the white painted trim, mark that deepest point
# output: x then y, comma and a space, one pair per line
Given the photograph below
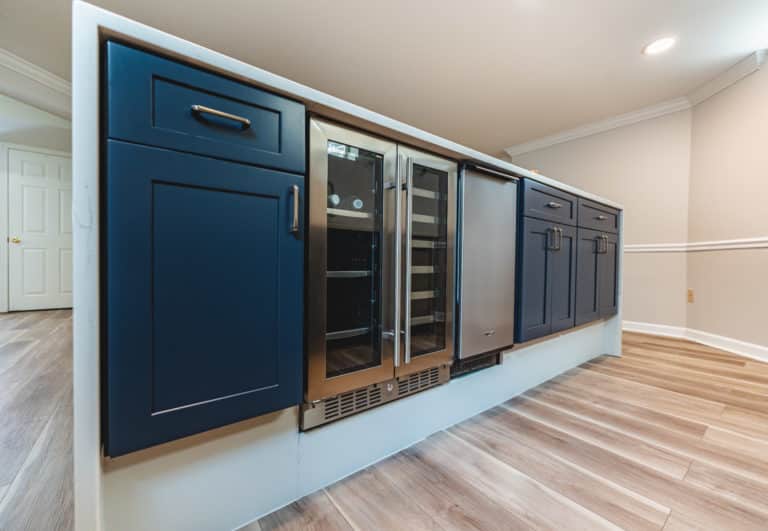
34, 72
733, 74
621, 120
736, 346
727, 245
654, 329
656, 248
715, 245
4, 228
740, 70
743, 348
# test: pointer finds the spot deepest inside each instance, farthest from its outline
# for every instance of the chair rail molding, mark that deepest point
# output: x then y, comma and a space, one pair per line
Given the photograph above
690, 247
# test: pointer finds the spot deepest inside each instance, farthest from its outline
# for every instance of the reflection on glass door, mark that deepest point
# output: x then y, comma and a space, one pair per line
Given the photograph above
427, 276
353, 283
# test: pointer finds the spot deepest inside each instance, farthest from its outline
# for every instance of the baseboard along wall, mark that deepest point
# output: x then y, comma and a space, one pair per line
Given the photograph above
743, 348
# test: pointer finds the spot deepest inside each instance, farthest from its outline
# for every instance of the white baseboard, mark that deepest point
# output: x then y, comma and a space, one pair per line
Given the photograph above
654, 329
750, 350
742, 348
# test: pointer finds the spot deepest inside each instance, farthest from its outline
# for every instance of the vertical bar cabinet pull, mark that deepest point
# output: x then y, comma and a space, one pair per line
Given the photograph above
408, 242
398, 258
295, 218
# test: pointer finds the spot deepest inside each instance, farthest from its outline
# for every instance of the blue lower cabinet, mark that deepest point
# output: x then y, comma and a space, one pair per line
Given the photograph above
596, 278
608, 267
546, 278
204, 294
587, 276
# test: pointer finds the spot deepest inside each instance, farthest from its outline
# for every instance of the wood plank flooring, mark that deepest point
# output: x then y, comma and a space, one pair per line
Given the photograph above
673, 436
36, 421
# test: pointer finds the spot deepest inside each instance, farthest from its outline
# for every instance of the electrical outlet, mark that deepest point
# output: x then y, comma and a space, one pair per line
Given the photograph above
690, 295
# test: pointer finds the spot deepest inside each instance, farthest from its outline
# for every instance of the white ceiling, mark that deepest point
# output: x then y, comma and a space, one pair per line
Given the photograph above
485, 73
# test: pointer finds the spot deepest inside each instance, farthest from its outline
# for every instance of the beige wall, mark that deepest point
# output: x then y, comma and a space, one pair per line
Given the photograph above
731, 294
729, 200
692, 176
729, 162
632, 165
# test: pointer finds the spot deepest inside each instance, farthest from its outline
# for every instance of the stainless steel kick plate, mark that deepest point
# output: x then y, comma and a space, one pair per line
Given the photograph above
314, 414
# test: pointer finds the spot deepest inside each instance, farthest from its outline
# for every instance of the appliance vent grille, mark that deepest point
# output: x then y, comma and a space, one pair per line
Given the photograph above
351, 402
418, 381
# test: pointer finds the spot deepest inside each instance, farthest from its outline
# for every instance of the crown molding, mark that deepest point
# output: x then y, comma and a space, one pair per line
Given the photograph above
34, 72
35, 86
621, 120
740, 70
692, 247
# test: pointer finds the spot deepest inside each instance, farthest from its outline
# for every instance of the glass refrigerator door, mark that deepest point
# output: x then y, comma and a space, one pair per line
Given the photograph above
346, 279
353, 277
430, 220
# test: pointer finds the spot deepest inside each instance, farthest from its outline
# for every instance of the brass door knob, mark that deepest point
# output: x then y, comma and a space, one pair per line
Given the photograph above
15, 240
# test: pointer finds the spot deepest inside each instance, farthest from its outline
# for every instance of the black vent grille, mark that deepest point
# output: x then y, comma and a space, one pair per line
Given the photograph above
351, 402
418, 381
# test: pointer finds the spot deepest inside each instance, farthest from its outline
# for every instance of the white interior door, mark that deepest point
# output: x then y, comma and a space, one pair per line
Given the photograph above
39, 231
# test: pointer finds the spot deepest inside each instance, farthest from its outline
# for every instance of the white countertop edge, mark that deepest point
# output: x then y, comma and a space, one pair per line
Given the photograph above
130, 28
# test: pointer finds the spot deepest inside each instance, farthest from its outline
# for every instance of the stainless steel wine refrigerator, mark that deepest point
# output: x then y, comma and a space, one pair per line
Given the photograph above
380, 299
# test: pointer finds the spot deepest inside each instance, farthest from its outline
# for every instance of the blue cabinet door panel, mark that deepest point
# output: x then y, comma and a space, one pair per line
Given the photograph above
157, 101
562, 264
533, 312
204, 291
608, 268
587, 276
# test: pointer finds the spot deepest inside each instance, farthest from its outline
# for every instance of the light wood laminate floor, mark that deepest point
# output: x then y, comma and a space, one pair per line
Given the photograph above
674, 435
36, 421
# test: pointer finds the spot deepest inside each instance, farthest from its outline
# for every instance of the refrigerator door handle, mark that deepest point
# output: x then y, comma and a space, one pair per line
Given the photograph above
408, 244
398, 261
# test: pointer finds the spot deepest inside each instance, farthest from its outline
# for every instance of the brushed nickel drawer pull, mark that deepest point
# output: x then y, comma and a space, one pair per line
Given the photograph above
554, 204
295, 221
202, 109
601, 217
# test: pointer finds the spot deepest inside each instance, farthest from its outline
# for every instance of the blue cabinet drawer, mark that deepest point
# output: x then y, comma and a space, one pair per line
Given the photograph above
157, 101
548, 203
598, 217
204, 294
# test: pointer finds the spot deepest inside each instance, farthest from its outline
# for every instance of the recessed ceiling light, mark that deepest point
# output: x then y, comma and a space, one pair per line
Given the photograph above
659, 46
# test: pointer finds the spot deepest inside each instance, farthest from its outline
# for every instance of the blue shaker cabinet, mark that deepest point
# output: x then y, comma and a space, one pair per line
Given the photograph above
546, 278
596, 276
203, 246
204, 294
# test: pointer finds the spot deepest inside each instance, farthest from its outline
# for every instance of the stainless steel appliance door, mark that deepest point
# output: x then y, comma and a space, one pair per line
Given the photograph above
487, 269
350, 280
428, 234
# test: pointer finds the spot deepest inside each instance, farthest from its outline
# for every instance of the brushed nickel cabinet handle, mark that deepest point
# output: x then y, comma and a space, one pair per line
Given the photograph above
295, 219
202, 109
554, 204
601, 217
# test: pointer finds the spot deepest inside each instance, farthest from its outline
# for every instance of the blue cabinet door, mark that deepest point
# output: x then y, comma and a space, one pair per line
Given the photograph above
562, 274
587, 276
608, 278
533, 313
204, 294
546, 279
